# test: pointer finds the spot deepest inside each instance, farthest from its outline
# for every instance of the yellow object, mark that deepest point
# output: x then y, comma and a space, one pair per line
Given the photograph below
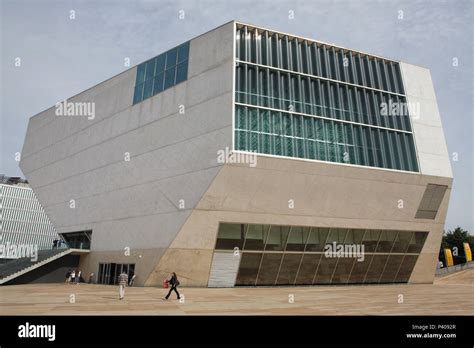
467, 252
449, 257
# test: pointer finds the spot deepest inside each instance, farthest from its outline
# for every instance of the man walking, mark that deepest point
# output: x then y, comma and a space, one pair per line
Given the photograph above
123, 281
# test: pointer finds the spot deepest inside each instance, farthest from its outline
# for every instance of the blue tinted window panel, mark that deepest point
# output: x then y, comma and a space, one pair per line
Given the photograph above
170, 77
160, 64
150, 69
171, 57
182, 72
148, 89
140, 73
158, 83
138, 93
183, 52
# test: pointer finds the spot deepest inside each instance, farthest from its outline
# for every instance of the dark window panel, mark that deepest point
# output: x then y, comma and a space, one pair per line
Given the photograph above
158, 83
337, 235
305, 54
140, 74
269, 268
325, 270
277, 238
376, 268
349, 136
383, 76
230, 236
417, 241
148, 89
243, 44
387, 149
393, 77
401, 241
332, 56
284, 52
359, 269
182, 72
248, 269
150, 69
371, 155
256, 237
363, 103
253, 46
295, 55
414, 161
343, 70
352, 69
307, 270
170, 75
360, 70
138, 93
398, 75
275, 51
376, 73
354, 236
386, 240
369, 78
323, 61
378, 148
183, 52
171, 57
396, 149
406, 268
289, 268
317, 239
371, 238
391, 268
264, 49
316, 60
297, 238
343, 270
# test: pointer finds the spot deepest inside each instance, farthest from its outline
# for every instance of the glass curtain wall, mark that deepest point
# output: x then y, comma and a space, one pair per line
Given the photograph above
297, 98
294, 255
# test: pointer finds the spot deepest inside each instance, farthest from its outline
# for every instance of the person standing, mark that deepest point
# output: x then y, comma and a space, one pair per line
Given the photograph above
73, 276
68, 277
123, 281
174, 282
78, 277
91, 278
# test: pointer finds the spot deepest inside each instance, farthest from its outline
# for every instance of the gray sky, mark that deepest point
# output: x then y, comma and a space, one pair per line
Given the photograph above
61, 57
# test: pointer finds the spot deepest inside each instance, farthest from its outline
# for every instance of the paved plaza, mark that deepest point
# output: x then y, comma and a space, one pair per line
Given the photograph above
449, 295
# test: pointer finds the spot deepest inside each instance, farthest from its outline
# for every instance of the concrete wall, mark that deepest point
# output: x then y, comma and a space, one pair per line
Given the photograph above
173, 157
427, 127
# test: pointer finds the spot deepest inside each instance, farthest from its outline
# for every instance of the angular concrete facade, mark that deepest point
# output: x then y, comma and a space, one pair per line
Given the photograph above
145, 177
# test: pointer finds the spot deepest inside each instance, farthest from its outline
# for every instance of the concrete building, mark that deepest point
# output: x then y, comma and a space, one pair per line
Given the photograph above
340, 162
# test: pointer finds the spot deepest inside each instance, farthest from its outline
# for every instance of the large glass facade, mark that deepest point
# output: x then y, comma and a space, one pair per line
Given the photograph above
294, 255
162, 72
303, 99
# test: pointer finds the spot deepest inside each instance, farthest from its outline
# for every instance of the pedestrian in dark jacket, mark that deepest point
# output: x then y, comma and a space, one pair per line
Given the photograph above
174, 282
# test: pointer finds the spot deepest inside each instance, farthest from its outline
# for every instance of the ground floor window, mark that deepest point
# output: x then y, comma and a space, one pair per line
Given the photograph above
296, 255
